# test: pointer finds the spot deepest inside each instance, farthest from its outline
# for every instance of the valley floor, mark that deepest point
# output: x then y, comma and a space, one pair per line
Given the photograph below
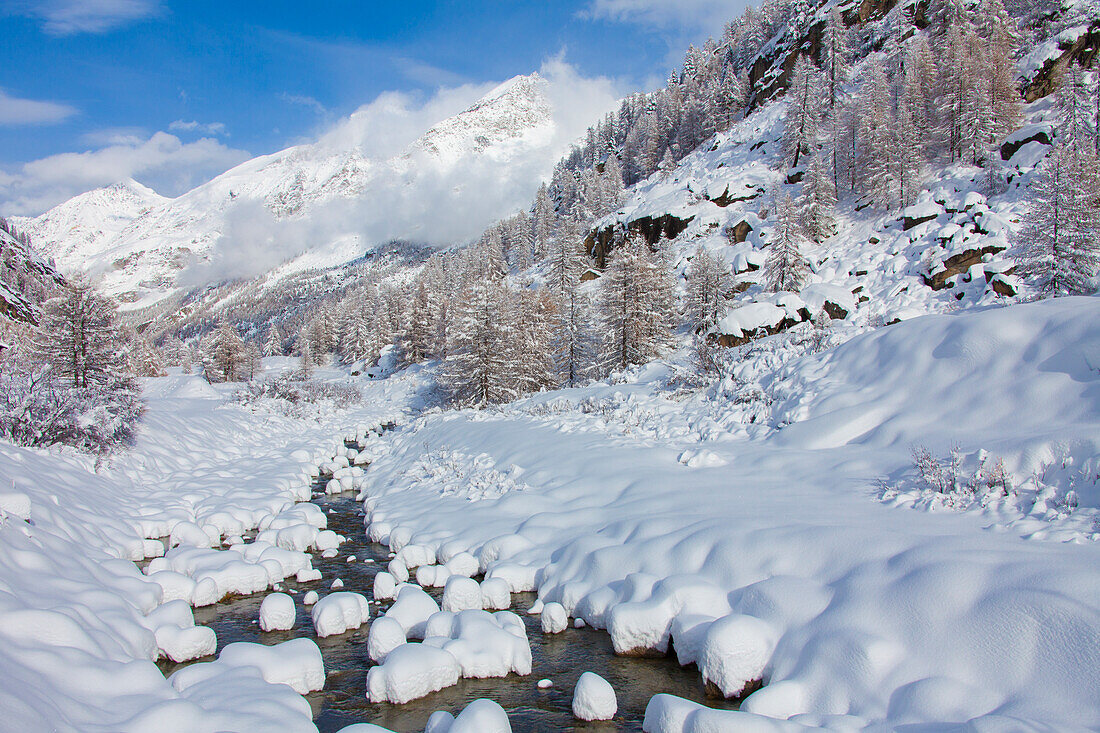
764, 526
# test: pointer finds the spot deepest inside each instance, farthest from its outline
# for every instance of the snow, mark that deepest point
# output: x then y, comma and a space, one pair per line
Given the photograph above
553, 619
481, 716
385, 636
736, 651
787, 567
339, 612
485, 644
461, 594
594, 698
296, 663
385, 586
277, 612
411, 671
79, 620
412, 609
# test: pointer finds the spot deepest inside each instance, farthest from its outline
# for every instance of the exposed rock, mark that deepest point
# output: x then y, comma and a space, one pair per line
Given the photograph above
739, 232
589, 274
601, 241
958, 264
835, 311
1083, 51
1011, 147
730, 340
726, 198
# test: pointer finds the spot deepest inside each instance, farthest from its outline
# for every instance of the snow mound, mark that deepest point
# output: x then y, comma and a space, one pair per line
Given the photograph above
554, 619
461, 594
736, 650
385, 586
485, 644
412, 609
339, 612
242, 569
173, 626
277, 612
594, 698
481, 716
296, 663
411, 671
385, 636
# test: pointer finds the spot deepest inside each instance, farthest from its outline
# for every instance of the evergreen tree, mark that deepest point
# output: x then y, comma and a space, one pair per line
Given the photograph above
876, 150
416, 341
834, 54
476, 371
785, 269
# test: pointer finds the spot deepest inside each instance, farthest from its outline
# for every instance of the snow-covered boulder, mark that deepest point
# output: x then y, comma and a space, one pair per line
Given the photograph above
296, 663
735, 652
277, 612
485, 644
385, 636
339, 612
412, 609
411, 671
554, 619
496, 594
461, 594
385, 586
594, 698
481, 716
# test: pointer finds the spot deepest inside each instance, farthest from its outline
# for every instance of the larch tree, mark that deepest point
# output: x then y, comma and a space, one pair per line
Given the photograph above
817, 204
803, 116
636, 305
709, 278
834, 53
79, 337
1059, 244
785, 269
223, 354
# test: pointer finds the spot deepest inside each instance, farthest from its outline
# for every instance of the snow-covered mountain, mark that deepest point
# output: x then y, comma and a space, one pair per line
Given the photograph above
138, 243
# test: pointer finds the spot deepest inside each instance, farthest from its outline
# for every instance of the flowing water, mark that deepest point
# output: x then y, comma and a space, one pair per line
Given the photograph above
560, 657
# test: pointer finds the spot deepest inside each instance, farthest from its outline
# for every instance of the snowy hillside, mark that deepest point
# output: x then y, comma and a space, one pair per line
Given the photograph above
26, 279
140, 243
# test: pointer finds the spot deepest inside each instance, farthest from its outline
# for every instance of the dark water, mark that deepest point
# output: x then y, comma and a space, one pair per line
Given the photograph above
560, 657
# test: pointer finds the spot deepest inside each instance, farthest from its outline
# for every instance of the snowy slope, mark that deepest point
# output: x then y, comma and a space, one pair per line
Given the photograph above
645, 515
139, 242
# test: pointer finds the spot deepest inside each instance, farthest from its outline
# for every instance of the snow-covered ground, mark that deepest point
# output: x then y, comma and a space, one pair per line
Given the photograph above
81, 625
762, 549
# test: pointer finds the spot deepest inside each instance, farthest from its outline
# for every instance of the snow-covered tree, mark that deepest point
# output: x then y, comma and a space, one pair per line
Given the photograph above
143, 358
834, 55
416, 340
1059, 244
817, 204
223, 354
876, 141
803, 111
476, 371
785, 269
636, 305
80, 338
1075, 108
708, 281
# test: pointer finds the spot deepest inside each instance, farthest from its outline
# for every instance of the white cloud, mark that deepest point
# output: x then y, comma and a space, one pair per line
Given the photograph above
305, 101
417, 199
161, 161
16, 111
204, 128
691, 15
69, 17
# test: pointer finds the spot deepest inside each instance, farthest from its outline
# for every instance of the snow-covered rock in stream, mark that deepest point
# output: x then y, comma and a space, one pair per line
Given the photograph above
553, 618
385, 635
339, 612
178, 638
594, 698
412, 609
296, 663
485, 644
411, 671
461, 594
277, 612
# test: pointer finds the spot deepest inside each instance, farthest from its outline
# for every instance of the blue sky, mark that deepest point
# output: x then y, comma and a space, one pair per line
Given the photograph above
173, 93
